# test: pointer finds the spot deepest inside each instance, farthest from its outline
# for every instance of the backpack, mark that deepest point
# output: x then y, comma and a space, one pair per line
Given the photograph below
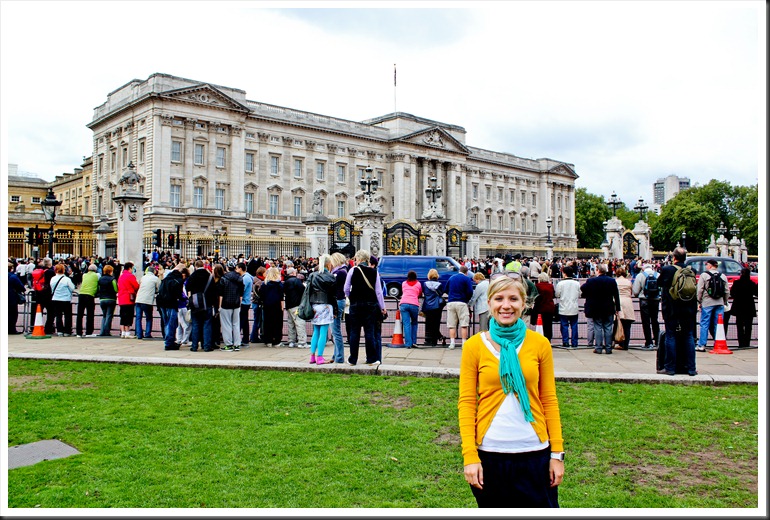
198, 300
683, 286
169, 288
715, 287
305, 309
651, 289
38, 279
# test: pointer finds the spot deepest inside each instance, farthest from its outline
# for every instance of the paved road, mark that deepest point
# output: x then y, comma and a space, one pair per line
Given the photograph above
634, 365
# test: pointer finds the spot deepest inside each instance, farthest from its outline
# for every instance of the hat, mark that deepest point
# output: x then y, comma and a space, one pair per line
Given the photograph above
374, 260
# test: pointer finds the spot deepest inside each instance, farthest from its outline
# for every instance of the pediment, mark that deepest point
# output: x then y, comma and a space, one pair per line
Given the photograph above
204, 95
250, 186
563, 169
435, 137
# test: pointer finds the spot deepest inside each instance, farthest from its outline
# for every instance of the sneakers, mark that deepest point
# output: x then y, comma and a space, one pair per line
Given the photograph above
693, 373
303, 345
375, 364
451, 346
236, 348
319, 360
227, 348
278, 345
700, 349
291, 344
312, 359
666, 372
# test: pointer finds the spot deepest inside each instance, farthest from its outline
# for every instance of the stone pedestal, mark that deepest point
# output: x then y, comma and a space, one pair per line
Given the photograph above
371, 224
435, 230
722, 244
643, 232
744, 251
317, 232
130, 207
735, 247
712, 247
549, 250
101, 238
614, 238
472, 244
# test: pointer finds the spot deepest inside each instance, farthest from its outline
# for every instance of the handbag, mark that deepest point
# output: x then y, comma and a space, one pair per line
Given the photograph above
619, 336
305, 309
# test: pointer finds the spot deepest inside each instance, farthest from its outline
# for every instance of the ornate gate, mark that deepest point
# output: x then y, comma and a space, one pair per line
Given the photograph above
455, 242
402, 239
630, 245
343, 237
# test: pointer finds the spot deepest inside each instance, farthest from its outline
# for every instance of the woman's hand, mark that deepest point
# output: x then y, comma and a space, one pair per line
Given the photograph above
556, 471
474, 475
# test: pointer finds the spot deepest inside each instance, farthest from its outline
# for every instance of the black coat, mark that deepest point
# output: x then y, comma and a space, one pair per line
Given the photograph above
293, 289
602, 297
743, 293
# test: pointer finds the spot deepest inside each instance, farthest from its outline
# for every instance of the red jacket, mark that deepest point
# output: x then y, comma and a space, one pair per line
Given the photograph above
127, 288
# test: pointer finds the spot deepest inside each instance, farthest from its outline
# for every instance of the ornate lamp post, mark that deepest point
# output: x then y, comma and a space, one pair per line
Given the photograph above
548, 241
734, 231
684, 240
49, 204
433, 191
369, 185
721, 229
642, 208
614, 203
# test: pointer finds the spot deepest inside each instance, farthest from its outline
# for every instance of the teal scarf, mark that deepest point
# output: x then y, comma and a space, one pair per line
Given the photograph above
511, 377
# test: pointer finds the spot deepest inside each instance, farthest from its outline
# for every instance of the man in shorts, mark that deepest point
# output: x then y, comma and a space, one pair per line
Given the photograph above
459, 289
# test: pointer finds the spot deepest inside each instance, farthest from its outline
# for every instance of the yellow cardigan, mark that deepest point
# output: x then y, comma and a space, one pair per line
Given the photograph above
481, 393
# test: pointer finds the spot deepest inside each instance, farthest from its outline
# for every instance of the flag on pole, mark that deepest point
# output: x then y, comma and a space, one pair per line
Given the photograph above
394, 74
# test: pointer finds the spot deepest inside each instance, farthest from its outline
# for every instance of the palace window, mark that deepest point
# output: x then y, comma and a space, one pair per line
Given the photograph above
125, 156
100, 167
487, 221
141, 151
297, 206
176, 151
341, 208
249, 202
273, 165
523, 224
249, 162
341, 173
475, 192
15, 198
500, 222
199, 152
512, 196
523, 197
361, 173
220, 157
488, 192
273, 204
113, 160
219, 198
534, 200
380, 178
320, 170
35, 200
198, 197
500, 196
176, 199
297, 168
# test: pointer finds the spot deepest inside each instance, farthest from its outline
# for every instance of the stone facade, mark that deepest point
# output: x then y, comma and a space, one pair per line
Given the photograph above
211, 159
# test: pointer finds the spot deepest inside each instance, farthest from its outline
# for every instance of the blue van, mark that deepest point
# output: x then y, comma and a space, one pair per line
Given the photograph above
393, 270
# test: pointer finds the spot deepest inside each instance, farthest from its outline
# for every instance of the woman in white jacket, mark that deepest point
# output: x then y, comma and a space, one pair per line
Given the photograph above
61, 300
145, 299
567, 291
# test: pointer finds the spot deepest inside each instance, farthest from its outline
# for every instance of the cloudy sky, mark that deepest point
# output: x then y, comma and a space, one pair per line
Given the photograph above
627, 92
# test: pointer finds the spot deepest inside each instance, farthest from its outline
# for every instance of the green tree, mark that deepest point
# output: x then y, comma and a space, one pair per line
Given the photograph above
590, 214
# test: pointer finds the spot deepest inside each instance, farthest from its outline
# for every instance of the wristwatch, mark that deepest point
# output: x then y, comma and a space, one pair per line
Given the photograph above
558, 455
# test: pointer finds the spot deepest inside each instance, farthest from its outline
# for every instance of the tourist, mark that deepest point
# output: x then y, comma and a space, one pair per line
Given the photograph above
89, 285
127, 289
478, 301
340, 272
364, 289
646, 288
271, 295
323, 298
743, 292
230, 288
627, 315
459, 289
602, 303
145, 300
679, 320
108, 294
61, 300
432, 307
568, 293
411, 290
712, 298
293, 289
544, 305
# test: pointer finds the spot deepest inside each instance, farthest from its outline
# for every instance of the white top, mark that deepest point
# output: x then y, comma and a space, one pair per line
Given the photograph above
568, 291
509, 431
148, 288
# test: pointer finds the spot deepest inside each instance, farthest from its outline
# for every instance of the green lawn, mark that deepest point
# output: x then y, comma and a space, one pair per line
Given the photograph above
187, 437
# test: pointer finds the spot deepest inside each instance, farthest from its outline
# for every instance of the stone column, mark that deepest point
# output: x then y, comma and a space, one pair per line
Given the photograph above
735, 246
317, 232
371, 224
161, 187
263, 173
435, 229
614, 238
101, 237
722, 245
237, 172
211, 166
130, 209
400, 195
712, 247
744, 251
189, 149
643, 232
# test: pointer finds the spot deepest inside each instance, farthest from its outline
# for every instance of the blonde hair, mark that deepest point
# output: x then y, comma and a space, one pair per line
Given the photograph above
478, 277
322, 261
362, 255
504, 283
433, 275
338, 259
543, 277
273, 275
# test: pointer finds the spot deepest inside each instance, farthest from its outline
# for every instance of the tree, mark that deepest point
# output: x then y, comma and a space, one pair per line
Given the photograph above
590, 214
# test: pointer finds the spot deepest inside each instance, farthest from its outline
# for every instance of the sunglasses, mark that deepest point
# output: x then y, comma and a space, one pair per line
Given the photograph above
515, 276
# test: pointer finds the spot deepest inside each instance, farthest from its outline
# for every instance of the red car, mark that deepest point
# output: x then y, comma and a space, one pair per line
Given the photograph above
727, 266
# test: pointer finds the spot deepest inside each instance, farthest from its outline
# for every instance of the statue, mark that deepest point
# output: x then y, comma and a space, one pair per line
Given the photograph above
316, 203
130, 179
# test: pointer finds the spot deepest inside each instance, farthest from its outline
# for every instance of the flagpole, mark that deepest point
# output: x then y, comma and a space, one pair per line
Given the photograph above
394, 88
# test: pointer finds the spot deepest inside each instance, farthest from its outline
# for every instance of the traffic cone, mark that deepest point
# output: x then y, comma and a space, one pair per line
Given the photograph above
539, 326
38, 332
720, 343
398, 332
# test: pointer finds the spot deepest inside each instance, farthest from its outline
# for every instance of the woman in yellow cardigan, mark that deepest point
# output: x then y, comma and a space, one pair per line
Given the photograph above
510, 426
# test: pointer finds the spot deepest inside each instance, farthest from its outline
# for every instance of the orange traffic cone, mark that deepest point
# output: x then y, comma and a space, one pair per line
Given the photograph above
398, 332
720, 343
539, 326
38, 332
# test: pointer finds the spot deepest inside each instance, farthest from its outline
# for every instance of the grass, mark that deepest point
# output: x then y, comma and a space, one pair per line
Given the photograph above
194, 438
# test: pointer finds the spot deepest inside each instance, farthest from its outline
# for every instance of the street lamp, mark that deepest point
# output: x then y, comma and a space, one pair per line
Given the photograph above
368, 184
49, 204
684, 238
641, 207
734, 231
548, 222
216, 244
433, 191
721, 229
614, 203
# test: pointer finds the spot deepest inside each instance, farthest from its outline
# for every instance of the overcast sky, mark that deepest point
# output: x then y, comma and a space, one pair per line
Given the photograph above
627, 92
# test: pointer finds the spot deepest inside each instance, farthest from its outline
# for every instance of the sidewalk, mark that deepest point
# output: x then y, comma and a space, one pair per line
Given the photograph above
632, 366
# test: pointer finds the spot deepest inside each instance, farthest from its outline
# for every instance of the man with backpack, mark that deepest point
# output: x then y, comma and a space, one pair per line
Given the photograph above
712, 298
679, 305
202, 299
167, 300
647, 289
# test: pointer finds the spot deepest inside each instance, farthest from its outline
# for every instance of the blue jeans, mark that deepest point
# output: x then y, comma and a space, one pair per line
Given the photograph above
146, 310
569, 323
708, 323
170, 322
603, 332
409, 313
201, 330
339, 345
108, 311
256, 328
685, 333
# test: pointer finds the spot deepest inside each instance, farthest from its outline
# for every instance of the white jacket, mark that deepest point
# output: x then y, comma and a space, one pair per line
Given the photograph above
568, 292
148, 288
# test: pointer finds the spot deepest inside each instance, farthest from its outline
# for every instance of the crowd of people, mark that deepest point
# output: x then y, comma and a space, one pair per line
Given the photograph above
229, 303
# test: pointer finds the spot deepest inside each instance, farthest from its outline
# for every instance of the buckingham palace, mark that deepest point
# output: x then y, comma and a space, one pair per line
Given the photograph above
214, 162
